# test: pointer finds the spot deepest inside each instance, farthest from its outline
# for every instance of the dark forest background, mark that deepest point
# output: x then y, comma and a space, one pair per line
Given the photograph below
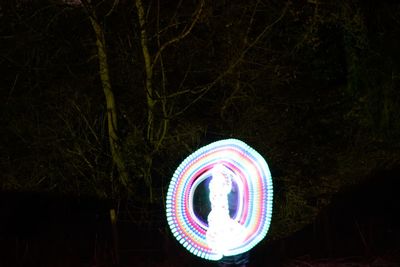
104, 99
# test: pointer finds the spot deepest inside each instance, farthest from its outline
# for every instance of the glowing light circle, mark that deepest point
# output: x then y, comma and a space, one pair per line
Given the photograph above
229, 165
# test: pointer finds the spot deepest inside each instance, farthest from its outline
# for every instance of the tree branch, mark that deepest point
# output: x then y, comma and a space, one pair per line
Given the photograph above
206, 88
183, 34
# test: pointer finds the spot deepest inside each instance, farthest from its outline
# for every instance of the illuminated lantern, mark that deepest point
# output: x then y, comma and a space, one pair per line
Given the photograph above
233, 185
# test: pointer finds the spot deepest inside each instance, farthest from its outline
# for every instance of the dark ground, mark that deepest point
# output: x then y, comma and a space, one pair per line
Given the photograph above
360, 228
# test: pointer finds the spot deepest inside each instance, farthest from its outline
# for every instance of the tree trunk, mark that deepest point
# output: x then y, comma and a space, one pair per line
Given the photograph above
149, 96
114, 141
149, 72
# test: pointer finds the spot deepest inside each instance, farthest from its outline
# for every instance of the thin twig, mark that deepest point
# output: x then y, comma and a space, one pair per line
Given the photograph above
206, 88
181, 36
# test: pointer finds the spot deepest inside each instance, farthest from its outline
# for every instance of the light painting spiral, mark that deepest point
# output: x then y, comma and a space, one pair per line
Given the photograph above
228, 169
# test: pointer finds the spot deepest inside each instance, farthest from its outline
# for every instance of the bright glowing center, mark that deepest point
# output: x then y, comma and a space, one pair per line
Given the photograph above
223, 232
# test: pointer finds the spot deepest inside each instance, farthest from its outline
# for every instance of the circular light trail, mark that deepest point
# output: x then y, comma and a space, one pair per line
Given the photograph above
230, 168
